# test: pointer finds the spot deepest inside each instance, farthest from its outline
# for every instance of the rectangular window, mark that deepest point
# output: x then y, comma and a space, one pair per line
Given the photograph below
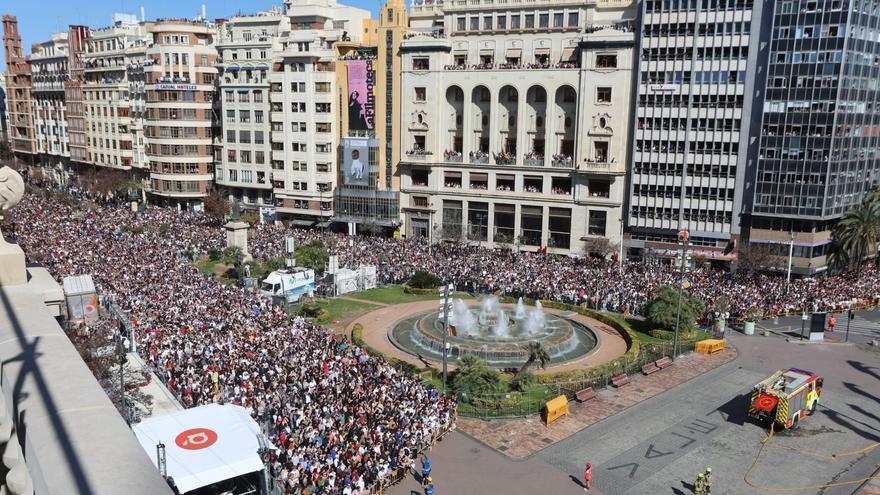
475, 23
420, 94
514, 22
606, 61
420, 63
530, 21
558, 20
502, 23
544, 20
598, 220
573, 19
603, 95
487, 23
461, 24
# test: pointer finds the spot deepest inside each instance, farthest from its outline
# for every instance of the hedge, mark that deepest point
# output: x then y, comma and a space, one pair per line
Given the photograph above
357, 333
659, 333
420, 292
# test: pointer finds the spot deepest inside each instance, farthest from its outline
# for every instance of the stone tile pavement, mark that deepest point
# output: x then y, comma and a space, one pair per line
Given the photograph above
521, 438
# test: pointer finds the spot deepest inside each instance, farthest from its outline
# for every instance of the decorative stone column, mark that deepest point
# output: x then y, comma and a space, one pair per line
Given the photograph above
12, 264
236, 235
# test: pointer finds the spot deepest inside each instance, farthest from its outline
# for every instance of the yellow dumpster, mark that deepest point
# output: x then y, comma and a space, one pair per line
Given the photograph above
554, 408
709, 346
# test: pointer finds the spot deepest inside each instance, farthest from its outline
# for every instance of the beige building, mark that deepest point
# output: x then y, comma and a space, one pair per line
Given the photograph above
115, 129
49, 68
180, 73
247, 46
515, 121
305, 132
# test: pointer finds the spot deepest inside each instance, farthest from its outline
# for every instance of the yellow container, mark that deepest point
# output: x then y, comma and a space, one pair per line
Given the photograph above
555, 408
709, 346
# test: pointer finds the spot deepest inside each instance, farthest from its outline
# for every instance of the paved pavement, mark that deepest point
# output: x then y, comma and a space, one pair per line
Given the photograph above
658, 446
863, 328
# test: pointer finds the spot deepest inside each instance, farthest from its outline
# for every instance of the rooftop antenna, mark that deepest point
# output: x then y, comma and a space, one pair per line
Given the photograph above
143, 15
204, 12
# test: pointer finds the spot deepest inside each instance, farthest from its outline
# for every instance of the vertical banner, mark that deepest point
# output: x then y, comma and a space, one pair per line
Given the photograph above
361, 102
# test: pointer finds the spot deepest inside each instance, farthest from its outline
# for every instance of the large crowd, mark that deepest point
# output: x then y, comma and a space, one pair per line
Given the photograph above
340, 419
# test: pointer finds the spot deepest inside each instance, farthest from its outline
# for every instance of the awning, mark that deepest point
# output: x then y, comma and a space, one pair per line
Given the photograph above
233, 68
203, 445
76, 285
514, 52
487, 51
461, 53
568, 54
542, 51
322, 225
302, 223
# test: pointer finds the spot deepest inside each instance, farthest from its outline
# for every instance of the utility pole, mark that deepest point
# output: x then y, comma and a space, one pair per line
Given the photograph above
849, 317
446, 291
124, 409
620, 254
683, 241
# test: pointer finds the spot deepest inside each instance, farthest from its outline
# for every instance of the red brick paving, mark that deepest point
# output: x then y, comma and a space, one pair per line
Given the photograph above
521, 438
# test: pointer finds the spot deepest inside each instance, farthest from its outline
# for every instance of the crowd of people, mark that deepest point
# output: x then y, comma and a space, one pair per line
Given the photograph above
341, 420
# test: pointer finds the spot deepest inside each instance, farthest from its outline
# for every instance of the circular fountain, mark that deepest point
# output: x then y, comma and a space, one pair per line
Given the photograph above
497, 333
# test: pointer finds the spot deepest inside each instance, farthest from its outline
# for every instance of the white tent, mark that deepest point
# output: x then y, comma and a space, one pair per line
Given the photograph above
203, 445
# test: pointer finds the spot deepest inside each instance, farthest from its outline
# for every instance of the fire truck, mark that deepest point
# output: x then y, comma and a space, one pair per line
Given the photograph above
786, 397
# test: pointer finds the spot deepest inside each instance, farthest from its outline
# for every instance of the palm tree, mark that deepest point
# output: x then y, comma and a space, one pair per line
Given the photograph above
469, 363
857, 234
536, 353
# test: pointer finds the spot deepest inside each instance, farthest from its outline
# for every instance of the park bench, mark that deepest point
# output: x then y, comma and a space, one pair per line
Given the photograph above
585, 394
620, 380
663, 363
650, 368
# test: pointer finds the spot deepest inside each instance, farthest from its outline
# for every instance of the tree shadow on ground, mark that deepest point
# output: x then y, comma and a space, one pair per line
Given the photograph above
858, 390
868, 370
850, 424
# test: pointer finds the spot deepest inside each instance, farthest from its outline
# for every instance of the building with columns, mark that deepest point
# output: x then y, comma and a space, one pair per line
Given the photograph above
247, 46
180, 73
515, 121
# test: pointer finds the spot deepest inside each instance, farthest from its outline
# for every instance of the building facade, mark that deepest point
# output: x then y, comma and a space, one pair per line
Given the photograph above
115, 121
77, 125
50, 71
247, 46
368, 80
515, 123
692, 125
303, 108
180, 74
819, 127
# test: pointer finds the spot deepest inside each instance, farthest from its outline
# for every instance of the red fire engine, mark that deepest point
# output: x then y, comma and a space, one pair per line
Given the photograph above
786, 397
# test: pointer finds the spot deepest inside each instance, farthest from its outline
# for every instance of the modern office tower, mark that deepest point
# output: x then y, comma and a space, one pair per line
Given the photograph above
692, 125
515, 123
112, 55
303, 107
247, 46
368, 81
77, 131
18, 90
819, 128
180, 74
49, 68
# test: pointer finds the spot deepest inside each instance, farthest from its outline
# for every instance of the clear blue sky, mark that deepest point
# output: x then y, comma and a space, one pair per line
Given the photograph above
38, 19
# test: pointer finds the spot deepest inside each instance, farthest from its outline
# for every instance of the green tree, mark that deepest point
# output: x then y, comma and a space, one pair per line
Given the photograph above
234, 257
312, 257
537, 353
474, 378
857, 234
424, 280
662, 311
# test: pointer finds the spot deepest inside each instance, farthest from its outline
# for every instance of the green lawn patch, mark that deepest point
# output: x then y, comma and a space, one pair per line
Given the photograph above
339, 309
394, 294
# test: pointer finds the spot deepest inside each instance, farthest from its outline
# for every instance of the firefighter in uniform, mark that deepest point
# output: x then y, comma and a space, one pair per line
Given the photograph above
700, 485
707, 479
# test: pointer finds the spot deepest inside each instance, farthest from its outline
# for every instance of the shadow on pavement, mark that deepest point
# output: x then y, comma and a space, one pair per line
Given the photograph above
850, 424
869, 370
576, 480
735, 410
688, 489
858, 390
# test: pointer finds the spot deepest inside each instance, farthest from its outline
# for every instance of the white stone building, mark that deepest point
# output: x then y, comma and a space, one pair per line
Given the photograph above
247, 46
114, 58
303, 113
516, 122
49, 68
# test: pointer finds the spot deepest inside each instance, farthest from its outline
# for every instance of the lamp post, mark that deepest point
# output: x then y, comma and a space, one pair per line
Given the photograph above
446, 290
620, 254
683, 241
849, 317
790, 257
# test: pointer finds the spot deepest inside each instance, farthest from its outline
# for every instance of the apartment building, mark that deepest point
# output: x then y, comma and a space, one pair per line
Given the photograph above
49, 69
77, 131
247, 46
692, 125
18, 89
515, 120
368, 79
303, 108
115, 130
180, 74
818, 139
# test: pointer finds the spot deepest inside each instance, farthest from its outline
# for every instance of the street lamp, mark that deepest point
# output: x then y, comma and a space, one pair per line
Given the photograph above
446, 291
683, 241
849, 317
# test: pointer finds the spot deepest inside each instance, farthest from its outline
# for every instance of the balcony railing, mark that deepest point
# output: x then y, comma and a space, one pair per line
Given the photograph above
533, 161
561, 161
478, 157
505, 158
